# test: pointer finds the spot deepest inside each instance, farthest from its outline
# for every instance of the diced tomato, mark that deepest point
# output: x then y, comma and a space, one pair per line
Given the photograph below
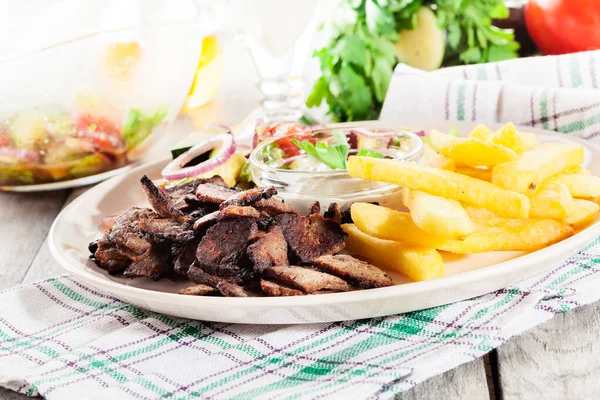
4, 140
289, 148
101, 132
97, 123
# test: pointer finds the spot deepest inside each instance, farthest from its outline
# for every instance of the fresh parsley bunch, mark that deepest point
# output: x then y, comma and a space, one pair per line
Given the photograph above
358, 61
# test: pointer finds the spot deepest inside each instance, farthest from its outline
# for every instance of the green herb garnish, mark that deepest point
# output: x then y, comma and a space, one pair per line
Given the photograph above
138, 126
333, 155
92, 128
369, 153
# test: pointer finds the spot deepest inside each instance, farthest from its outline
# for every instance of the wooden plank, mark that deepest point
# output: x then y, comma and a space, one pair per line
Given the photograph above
26, 219
559, 359
467, 381
43, 265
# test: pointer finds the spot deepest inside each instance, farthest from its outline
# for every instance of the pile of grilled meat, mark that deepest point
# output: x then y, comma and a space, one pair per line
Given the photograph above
233, 242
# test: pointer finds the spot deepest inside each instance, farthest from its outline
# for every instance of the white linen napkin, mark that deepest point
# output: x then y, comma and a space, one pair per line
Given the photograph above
558, 93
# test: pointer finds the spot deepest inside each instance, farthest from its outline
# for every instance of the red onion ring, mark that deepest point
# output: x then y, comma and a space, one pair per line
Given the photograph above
219, 126
176, 170
421, 133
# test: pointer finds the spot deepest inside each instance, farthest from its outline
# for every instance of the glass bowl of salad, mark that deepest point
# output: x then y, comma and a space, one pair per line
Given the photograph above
310, 165
79, 110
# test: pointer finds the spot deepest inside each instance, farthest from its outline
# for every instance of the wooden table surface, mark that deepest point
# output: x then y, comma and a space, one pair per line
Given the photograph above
559, 359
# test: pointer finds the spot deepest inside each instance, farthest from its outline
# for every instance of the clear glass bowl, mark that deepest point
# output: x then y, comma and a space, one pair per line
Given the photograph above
302, 186
92, 102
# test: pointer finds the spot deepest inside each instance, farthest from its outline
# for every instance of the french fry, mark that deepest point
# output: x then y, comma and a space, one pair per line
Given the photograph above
484, 174
481, 132
579, 185
535, 166
470, 151
439, 216
585, 211
432, 158
481, 216
511, 234
417, 263
519, 142
442, 183
553, 200
385, 223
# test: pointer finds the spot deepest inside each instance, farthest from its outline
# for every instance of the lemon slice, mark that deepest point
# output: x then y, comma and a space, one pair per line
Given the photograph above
208, 74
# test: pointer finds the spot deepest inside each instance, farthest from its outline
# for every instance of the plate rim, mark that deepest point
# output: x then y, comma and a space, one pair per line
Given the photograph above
505, 267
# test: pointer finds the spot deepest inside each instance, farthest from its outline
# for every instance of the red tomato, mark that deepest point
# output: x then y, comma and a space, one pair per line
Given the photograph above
289, 148
564, 26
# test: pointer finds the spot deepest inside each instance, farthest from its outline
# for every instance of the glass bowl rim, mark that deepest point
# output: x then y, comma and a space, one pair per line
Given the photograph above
256, 163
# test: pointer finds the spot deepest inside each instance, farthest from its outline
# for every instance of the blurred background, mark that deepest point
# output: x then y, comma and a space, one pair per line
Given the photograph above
87, 83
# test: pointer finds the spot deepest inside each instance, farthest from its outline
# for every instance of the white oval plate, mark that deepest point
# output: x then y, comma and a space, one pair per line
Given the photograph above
466, 277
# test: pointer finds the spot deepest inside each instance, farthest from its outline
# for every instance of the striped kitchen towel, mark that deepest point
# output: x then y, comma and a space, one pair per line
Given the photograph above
64, 340
559, 93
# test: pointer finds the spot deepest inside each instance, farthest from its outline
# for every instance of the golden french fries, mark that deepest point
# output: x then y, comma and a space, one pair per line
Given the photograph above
492, 191
418, 264
434, 159
439, 216
553, 200
509, 137
385, 223
585, 211
535, 166
579, 185
442, 183
470, 151
482, 173
511, 234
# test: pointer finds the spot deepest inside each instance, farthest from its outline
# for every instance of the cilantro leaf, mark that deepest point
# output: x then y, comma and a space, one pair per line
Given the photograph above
369, 153
334, 155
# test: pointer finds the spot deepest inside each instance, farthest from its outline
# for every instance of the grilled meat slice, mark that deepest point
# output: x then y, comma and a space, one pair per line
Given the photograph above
238, 212
273, 207
314, 208
275, 289
123, 242
222, 250
227, 289
333, 213
198, 290
184, 195
186, 257
306, 279
154, 264
249, 197
176, 230
206, 221
355, 271
160, 200
269, 250
311, 236
108, 256
212, 193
